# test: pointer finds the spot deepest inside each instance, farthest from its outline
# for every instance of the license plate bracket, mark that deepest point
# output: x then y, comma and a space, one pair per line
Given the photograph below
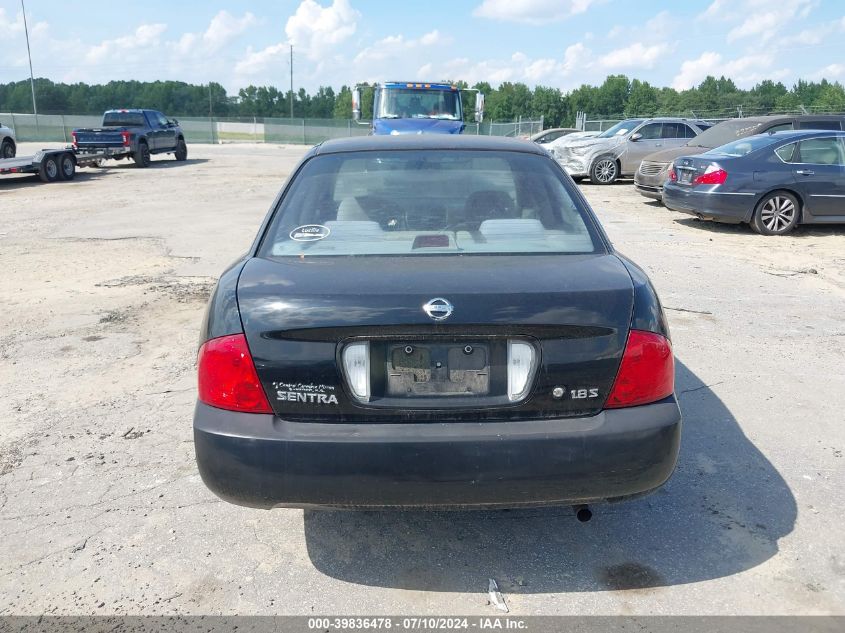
420, 369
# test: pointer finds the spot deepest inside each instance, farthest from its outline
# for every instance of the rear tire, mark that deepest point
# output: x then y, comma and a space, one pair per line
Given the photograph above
67, 167
776, 214
142, 155
7, 149
49, 169
181, 152
604, 171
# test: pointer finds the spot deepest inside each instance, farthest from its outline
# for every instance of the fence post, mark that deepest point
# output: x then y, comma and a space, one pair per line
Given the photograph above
64, 129
211, 128
17, 135
303, 132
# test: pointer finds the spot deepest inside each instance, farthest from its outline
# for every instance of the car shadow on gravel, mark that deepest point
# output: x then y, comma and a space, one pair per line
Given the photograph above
33, 180
160, 163
721, 513
802, 230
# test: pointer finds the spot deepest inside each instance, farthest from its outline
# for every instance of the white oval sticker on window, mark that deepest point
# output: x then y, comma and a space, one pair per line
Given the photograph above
310, 233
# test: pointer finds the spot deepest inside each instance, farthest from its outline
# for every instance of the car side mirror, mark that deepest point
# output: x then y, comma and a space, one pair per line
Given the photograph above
479, 107
636, 136
174, 122
356, 104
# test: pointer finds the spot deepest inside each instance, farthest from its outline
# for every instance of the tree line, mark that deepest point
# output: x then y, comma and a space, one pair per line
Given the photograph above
616, 97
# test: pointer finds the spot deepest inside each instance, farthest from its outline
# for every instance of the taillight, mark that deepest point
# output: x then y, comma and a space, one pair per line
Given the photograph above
647, 371
227, 376
125, 137
673, 176
713, 175
73, 136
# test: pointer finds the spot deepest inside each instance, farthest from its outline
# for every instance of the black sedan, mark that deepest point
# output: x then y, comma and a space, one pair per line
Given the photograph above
771, 181
433, 321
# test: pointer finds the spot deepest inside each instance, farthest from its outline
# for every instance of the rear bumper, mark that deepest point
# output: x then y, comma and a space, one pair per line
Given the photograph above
262, 461
708, 203
651, 186
649, 191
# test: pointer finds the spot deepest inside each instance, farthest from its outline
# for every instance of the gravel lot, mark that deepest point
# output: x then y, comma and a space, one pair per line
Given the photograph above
102, 510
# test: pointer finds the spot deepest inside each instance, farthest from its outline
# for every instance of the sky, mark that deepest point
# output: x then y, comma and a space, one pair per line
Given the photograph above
558, 43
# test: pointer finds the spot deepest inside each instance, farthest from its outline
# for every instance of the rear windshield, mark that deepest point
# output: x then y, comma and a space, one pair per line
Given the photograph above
424, 202
725, 132
744, 146
123, 119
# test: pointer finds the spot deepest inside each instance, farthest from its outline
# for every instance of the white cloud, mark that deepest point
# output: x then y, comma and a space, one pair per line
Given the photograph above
519, 67
530, 11
223, 28
574, 56
765, 19
116, 50
744, 71
637, 55
395, 45
10, 27
716, 9
829, 72
693, 71
257, 62
316, 29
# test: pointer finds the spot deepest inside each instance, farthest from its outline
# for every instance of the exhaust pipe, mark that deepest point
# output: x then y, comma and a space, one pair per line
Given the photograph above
583, 513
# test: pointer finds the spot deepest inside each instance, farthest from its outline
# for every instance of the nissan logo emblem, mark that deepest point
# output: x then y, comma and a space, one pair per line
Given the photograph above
438, 309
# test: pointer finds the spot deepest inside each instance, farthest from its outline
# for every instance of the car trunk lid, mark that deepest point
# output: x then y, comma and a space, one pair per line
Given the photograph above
299, 313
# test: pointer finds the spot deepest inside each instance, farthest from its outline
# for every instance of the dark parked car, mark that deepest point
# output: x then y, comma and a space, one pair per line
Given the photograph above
654, 169
135, 134
552, 134
772, 181
433, 321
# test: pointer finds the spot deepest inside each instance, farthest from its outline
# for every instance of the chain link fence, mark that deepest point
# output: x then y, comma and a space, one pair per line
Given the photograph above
57, 128
586, 124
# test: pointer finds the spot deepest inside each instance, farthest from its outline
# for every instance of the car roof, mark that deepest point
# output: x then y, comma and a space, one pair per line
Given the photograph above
799, 134
428, 142
771, 118
674, 119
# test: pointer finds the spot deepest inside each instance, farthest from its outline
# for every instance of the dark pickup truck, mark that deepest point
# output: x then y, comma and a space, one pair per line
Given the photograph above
141, 133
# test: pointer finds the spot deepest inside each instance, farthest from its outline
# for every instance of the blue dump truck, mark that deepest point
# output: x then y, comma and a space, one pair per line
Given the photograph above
401, 107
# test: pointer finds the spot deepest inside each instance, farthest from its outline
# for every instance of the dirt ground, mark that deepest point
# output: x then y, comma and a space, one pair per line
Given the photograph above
103, 284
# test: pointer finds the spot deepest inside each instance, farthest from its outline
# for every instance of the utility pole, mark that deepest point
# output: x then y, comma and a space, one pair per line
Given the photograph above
291, 79
210, 110
31, 77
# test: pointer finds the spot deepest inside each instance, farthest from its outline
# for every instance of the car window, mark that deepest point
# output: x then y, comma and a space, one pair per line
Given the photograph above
787, 152
650, 131
157, 119
743, 146
821, 151
689, 132
422, 202
123, 119
677, 130
819, 125
778, 128
549, 137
